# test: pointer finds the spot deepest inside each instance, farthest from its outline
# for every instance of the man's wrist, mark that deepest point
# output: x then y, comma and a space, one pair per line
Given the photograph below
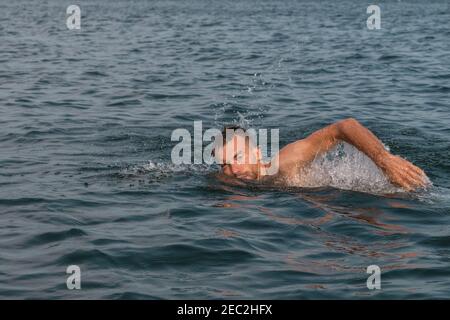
381, 157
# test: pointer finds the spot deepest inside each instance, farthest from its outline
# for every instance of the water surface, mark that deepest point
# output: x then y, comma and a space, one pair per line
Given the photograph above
85, 170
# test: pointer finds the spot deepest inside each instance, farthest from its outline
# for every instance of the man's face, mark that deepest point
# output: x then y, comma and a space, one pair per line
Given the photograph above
239, 158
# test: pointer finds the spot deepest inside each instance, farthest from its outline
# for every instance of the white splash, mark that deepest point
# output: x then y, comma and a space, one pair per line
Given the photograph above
344, 167
164, 169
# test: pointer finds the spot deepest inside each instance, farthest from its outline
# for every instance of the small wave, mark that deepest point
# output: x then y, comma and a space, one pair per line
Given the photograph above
79, 256
128, 295
388, 57
56, 236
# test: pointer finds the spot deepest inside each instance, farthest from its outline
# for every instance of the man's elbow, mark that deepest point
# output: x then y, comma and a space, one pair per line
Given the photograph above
348, 123
346, 126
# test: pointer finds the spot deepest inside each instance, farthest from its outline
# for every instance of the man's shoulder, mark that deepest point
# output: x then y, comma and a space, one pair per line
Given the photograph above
294, 151
292, 157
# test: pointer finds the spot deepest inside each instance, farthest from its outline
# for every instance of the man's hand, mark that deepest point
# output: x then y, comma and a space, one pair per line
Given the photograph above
402, 172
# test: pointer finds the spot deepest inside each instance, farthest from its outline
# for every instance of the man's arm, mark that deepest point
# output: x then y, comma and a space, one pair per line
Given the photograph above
400, 171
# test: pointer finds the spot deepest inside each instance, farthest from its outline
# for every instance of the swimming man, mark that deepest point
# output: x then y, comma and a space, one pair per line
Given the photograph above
299, 154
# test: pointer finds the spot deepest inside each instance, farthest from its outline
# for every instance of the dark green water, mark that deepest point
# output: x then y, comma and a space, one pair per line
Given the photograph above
85, 171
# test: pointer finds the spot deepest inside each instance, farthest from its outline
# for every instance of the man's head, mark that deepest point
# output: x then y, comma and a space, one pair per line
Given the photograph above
239, 155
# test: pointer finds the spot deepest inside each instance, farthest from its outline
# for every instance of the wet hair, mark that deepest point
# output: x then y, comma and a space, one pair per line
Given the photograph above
233, 127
